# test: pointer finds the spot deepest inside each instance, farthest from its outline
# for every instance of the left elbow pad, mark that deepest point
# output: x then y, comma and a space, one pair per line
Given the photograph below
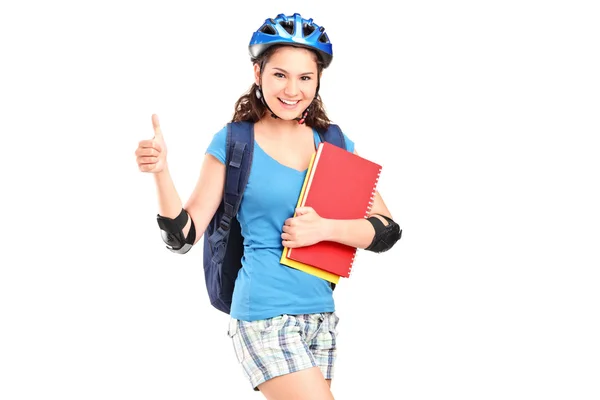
385, 235
172, 232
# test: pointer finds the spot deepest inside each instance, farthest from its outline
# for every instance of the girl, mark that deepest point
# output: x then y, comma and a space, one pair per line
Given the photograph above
283, 322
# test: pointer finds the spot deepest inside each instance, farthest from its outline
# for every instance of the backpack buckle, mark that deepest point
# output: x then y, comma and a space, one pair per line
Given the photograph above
225, 222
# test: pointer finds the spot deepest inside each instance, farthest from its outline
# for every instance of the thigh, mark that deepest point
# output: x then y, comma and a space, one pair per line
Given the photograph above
323, 345
307, 384
271, 348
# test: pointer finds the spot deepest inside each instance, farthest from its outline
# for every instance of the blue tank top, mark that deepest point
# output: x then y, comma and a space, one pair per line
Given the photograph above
264, 287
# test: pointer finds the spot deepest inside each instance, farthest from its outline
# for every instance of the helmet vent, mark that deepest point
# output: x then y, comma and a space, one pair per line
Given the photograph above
288, 26
268, 29
323, 38
307, 29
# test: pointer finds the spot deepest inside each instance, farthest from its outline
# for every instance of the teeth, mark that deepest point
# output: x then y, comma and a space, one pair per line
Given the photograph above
291, 103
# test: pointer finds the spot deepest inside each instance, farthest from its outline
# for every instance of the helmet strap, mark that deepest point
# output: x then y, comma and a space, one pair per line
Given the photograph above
259, 95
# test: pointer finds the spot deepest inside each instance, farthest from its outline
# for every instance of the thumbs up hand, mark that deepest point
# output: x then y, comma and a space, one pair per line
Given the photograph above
151, 155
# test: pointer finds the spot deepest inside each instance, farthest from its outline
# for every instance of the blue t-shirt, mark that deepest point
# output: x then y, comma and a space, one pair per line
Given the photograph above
264, 287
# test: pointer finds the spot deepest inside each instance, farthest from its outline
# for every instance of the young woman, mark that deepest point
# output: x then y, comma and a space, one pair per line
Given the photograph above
283, 321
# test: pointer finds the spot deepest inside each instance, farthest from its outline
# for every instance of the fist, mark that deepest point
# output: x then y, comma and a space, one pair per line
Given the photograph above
151, 155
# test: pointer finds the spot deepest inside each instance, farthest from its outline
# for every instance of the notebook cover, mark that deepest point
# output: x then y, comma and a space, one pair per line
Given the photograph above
340, 185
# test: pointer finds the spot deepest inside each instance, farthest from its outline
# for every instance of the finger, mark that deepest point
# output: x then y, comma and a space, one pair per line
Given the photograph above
147, 160
146, 143
288, 243
145, 151
156, 126
150, 144
149, 152
147, 167
289, 221
286, 228
286, 236
303, 210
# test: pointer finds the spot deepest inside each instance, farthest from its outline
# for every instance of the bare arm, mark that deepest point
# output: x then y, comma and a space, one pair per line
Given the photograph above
308, 228
169, 204
207, 195
152, 157
356, 232
204, 200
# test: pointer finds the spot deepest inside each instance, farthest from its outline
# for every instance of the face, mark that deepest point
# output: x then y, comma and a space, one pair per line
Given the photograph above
289, 81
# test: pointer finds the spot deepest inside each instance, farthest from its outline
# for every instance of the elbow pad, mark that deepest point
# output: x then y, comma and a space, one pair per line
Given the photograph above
172, 232
385, 235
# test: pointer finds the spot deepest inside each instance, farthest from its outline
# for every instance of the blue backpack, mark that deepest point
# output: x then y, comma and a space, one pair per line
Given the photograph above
223, 241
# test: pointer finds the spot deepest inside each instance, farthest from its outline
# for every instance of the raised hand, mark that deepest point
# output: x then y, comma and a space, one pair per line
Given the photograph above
151, 155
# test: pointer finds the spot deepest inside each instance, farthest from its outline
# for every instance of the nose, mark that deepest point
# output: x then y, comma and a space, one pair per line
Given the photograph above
291, 88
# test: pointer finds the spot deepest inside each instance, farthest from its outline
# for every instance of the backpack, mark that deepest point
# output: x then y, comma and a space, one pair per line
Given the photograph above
223, 240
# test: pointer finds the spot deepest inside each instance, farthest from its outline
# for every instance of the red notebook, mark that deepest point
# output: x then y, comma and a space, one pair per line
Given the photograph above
340, 185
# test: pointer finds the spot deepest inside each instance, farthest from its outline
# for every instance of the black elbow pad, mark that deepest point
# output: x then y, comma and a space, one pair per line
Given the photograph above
171, 231
385, 235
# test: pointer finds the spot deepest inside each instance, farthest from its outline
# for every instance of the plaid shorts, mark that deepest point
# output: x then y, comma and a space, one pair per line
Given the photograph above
284, 344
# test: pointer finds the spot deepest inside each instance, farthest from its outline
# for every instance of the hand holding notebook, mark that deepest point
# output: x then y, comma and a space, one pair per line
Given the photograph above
339, 185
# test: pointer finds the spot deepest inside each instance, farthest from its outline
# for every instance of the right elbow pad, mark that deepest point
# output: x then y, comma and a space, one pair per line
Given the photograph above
172, 232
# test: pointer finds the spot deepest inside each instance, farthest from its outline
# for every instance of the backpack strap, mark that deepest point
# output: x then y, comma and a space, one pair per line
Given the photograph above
238, 159
240, 148
333, 135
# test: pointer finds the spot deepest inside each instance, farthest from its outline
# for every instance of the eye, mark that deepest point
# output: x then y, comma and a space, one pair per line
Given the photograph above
279, 75
306, 78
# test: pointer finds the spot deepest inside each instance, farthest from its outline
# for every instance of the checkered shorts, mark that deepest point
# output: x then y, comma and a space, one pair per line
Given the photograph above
288, 343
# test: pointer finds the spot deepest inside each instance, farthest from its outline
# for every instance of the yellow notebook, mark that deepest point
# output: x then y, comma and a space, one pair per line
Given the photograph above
309, 269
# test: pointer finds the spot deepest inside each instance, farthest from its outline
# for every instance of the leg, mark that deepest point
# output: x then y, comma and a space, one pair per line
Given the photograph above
275, 355
307, 384
323, 345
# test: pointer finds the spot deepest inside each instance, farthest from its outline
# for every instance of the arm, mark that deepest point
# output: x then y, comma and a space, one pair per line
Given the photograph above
178, 224
203, 202
356, 232
207, 194
377, 233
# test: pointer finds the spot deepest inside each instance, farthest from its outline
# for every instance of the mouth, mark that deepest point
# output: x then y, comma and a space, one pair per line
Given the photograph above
289, 104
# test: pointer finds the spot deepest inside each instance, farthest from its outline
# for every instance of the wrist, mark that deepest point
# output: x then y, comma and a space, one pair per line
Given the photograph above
164, 173
329, 230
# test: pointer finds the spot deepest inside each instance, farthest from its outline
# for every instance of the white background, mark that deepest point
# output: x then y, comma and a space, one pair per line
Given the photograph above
483, 114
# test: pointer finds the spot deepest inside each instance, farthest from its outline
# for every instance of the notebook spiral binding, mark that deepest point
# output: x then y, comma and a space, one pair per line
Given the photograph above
367, 213
372, 199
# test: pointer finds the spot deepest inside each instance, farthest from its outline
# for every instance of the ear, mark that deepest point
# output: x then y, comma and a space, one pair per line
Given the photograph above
257, 74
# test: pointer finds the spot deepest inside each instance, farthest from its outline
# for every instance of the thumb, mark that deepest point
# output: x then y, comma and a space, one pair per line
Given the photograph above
156, 126
303, 210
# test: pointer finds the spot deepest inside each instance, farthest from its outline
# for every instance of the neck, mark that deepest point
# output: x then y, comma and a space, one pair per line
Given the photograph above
280, 125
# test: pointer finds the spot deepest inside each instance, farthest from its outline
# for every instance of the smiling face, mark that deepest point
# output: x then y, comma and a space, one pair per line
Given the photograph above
289, 81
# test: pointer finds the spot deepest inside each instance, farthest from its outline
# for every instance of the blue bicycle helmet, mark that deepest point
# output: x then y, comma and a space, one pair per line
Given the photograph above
291, 30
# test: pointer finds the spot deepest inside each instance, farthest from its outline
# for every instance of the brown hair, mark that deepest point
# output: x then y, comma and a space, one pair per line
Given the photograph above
251, 108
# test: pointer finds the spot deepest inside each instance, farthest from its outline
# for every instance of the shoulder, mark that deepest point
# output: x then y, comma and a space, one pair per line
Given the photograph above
349, 142
221, 134
217, 146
